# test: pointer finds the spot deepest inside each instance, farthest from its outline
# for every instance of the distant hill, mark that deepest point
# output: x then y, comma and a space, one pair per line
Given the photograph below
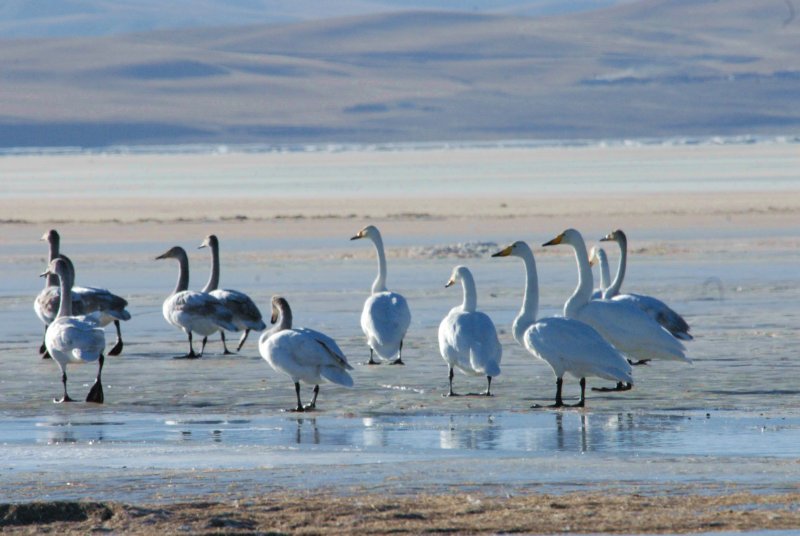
652, 68
84, 18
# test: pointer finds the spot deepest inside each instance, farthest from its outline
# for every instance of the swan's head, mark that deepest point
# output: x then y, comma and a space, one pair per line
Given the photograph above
617, 236
459, 273
279, 307
51, 236
210, 241
569, 236
517, 249
370, 231
176, 252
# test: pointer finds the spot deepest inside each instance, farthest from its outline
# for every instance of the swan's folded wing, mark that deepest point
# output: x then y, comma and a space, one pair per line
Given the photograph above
632, 330
333, 354
242, 306
100, 299
570, 345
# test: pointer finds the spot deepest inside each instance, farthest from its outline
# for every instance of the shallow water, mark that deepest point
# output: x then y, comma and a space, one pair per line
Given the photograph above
174, 429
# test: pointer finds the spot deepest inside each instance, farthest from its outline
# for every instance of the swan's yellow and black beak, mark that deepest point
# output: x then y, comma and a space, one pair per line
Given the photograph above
556, 241
450, 283
361, 234
505, 252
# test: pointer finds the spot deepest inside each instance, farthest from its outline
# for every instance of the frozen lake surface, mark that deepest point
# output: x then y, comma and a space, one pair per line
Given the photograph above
176, 429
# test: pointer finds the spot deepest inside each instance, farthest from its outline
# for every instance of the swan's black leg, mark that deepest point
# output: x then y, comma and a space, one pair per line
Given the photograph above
372, 358
299, 402
118, 346
313, 404
582, 401
66, 397
399, 360
450, 376
488, 387
225, 350
96, 392
559, 402
244, 338
639, 362
191, 354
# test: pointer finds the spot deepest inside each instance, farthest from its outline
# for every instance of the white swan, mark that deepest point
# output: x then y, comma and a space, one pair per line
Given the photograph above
193, 311
246, 315
467, 337
660, 311
598, 255
106, 306
48, 300
566, 344
302, 354
386, 317
627, 327
71, 339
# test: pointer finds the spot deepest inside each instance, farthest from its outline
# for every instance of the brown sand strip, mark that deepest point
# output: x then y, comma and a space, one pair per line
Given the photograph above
595, 512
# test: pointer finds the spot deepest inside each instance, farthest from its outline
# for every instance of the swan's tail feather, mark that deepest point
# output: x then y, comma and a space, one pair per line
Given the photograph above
337, 375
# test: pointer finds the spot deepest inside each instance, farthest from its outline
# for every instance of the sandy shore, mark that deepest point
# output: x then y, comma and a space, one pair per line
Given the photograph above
142, 220
577, 513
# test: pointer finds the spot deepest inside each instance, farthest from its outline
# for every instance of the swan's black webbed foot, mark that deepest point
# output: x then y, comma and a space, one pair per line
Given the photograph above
117, 348
96, 393
621, 386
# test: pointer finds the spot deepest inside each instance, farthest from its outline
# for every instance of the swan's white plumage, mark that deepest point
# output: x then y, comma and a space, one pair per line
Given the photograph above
566, 344
70, 339
662, 313
193, 311
302, 354
386, 316
467, 337
625, 326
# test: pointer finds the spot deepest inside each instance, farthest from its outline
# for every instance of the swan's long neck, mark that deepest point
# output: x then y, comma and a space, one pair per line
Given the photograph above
379, 285
605, 274
285, 313
65, 283
213, 279
470, 304
53, 242
613, 289
583, 291
183, 272
530, 300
